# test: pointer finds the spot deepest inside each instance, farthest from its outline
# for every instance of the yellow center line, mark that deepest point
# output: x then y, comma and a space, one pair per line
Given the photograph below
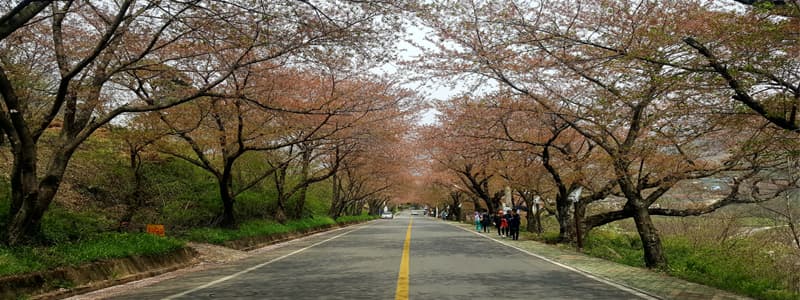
402, 277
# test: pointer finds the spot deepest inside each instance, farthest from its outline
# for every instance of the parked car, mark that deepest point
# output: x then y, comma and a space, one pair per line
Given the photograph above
387, 215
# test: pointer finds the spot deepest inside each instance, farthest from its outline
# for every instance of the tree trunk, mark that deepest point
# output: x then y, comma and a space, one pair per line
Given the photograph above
280, 185
300, 203
24, 227
29, 199
651, 242
565, 222
280, 214
227, 219
490, 206
135, 201
534, 220
336, 202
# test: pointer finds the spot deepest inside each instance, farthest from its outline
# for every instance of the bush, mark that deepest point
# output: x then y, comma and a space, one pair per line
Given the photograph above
255, 204
60, 225
318, 198
184, 195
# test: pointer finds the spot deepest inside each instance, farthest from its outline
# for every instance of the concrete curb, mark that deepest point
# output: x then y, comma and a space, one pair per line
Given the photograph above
92, 276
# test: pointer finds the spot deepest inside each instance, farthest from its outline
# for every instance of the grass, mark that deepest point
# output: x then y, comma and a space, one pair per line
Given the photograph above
255, 228
99, 246
740, 266
20, 260
352, 219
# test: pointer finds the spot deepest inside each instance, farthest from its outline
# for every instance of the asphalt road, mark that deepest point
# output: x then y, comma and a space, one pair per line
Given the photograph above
363, 262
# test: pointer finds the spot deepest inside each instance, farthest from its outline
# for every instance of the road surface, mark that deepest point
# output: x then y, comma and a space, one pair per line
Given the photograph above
367, 262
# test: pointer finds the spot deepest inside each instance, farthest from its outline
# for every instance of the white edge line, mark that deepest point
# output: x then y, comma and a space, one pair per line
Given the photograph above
229, 277
616, 285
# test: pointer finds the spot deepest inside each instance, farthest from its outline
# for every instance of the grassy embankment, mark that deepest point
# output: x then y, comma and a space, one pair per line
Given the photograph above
82, 226
705, 251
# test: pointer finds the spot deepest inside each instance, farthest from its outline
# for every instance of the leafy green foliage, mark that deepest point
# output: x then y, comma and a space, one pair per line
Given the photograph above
183, 195
255, 204
61, 226
318, 198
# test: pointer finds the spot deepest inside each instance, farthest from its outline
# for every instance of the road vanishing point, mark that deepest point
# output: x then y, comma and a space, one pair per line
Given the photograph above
408, 257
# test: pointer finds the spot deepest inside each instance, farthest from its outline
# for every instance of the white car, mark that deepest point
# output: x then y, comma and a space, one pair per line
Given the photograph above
387, 215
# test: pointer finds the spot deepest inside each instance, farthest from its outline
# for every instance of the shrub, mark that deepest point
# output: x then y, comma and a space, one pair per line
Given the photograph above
255, 204
60, 225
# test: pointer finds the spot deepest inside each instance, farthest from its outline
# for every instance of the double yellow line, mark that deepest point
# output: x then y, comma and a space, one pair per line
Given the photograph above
402, 277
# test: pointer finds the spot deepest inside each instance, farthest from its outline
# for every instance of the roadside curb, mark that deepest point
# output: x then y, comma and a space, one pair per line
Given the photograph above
93, 276
146, 274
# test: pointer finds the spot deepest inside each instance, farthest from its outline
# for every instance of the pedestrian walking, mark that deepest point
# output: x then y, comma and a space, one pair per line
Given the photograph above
477, 217
513, 225
496, 219
507, 218
504, 226
486, 221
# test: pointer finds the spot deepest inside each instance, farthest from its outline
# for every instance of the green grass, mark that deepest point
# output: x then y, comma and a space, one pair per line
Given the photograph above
741, 266
19, 260
61, 226
352, 219
255, 228
71, 250
619, 247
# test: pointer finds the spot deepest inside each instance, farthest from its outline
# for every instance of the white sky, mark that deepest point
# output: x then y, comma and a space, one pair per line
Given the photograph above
430, 90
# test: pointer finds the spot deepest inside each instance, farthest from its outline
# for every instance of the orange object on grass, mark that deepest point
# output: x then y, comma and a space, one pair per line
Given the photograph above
156, 229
